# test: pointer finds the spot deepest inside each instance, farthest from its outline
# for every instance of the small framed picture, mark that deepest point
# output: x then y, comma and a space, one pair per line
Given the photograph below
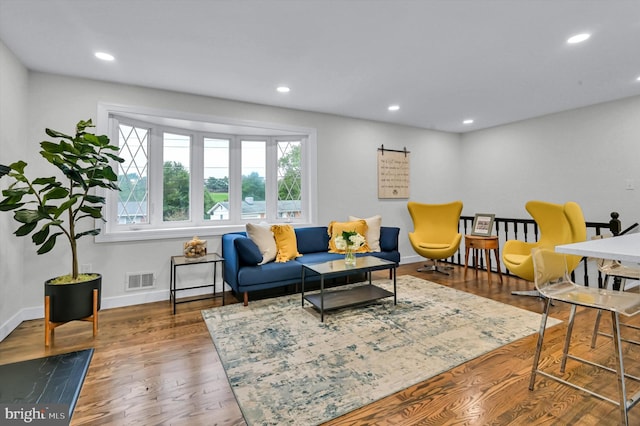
483, 224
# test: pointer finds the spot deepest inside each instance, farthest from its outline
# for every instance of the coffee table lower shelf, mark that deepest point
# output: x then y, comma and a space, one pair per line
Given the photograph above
345, 298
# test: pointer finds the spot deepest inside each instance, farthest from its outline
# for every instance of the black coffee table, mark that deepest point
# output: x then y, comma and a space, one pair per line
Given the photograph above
356, 295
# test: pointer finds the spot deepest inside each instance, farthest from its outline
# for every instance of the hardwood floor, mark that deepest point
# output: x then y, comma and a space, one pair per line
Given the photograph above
152, 367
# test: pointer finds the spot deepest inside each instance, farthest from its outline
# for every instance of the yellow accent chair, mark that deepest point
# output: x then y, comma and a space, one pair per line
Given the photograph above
558, 224
435, 235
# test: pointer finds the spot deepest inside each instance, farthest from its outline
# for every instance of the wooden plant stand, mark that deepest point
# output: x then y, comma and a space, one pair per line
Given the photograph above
49, 326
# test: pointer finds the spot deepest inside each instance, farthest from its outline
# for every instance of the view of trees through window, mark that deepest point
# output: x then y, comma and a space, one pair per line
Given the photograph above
178, 174
289, 178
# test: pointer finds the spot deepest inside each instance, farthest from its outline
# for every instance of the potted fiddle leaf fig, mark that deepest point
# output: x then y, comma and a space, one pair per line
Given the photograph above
51, 208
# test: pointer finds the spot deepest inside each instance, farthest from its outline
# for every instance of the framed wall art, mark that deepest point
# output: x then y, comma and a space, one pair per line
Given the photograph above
483, 224
393, 173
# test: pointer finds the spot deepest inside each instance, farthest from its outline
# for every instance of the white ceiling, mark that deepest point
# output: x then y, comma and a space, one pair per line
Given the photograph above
495, 61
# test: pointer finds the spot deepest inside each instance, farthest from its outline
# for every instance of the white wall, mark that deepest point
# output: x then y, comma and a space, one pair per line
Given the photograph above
347, 153
585, 155
13, 124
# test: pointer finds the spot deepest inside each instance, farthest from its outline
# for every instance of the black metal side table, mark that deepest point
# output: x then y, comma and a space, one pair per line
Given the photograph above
176, 261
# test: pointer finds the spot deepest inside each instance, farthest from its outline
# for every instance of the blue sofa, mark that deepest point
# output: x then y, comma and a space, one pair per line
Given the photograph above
243, 274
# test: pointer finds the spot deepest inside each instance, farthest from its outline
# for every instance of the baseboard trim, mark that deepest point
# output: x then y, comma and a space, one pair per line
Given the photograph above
10, 325
37, 312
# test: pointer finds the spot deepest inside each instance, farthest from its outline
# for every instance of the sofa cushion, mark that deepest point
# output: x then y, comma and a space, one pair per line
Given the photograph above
337, 228
373, 230
248, 251
286, 242
263, 238
312, 239
270, 273
319, 257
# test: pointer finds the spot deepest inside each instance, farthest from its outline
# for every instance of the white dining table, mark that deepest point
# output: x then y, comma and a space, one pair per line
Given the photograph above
623, 248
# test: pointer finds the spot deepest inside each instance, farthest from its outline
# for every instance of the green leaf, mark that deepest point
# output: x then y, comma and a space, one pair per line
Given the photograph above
16, 192
5, 207
94, 199
26, 229
92, 232
76, 177
55, 194
51, 147
92, 211
108, 174
46, 181
18, 166
49, 244
56, 134
103, 141
91, 138
65, 206
82, 125
27, 216
114, 156
39, 237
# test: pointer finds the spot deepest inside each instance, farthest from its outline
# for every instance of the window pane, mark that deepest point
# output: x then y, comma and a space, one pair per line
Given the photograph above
133, 198
176, 177
289, 179
253, 179
216, 179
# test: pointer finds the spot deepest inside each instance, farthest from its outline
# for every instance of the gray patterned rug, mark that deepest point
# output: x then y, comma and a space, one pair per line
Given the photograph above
286, 367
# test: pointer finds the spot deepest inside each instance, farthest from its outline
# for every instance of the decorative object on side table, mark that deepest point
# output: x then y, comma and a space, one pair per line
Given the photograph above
58, 205
483, 224
176, 261
349, 241
195, 248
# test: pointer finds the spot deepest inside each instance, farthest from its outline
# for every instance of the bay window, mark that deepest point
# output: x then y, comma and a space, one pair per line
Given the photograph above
185, 177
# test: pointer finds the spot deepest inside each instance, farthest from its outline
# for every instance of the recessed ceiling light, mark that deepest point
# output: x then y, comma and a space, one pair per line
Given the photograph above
104, 56
578, 38
283, 89
638, 79
468, 121
393, 107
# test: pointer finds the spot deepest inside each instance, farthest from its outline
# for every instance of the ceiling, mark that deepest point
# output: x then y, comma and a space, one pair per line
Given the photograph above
493, 61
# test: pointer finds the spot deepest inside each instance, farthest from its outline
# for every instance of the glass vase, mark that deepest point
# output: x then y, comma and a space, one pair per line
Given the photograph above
349, 256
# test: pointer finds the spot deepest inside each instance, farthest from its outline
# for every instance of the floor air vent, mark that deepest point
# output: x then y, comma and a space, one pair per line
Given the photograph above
140, 280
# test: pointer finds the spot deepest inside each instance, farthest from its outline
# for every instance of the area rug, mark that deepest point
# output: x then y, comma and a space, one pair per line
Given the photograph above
47, 386
286, 367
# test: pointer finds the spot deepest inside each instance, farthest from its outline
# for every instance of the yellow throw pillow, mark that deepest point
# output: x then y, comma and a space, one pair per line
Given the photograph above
286, 242
337, 228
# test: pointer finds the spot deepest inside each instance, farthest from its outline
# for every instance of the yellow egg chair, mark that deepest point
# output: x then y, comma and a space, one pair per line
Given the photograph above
558, 224
435, 235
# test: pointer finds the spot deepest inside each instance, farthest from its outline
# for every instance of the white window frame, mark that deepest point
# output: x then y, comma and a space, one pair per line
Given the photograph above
199, 126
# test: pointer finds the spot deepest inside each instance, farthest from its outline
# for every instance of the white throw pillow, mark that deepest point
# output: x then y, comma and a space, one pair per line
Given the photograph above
262, 236
373, 230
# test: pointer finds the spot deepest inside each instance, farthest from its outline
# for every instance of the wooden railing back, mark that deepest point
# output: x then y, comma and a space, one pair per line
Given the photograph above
527, 230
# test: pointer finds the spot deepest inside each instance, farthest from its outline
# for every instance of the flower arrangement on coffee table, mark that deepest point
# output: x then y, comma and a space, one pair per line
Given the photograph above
349, 241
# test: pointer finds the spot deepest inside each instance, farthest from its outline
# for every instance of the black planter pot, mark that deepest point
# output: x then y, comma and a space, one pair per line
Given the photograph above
71, 302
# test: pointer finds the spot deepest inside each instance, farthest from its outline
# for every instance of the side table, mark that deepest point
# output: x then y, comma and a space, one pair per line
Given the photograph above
186, 261
482, 243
